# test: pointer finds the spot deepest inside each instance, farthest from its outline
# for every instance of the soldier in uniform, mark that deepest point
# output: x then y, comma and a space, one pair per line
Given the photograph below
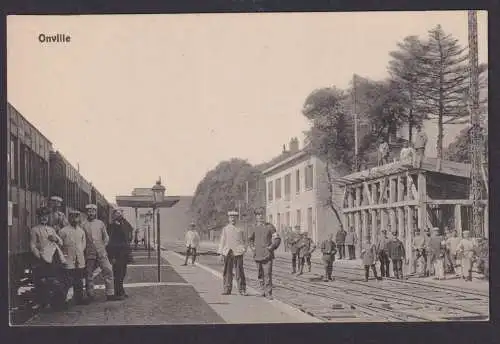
329, 249
420, 246
48, 273
383, 254
119, 251
306, 248
232, 247
96, 255
57, 218
192, 240
369, 257
340, 241
74, 242
264, 240
293, 240
467, 249
396, 250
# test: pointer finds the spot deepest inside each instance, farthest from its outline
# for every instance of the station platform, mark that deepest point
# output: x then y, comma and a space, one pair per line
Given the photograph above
186, 295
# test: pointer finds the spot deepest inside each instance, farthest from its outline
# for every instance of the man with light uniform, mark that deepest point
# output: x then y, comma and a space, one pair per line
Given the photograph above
264, 240
232, 247
96, 255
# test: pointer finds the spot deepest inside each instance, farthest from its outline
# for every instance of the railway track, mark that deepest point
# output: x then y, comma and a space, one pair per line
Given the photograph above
349, 299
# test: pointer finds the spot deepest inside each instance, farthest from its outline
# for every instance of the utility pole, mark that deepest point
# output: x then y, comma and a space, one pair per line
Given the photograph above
475, 132
355, 163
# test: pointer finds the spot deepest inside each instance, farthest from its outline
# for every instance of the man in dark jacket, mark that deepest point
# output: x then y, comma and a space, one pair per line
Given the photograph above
396, 250
264, 240
340, 240
329, 249
119, 251
292, 243
383, 254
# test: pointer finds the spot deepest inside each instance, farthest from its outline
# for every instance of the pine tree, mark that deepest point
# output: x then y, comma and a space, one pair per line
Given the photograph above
405, 70
444, 81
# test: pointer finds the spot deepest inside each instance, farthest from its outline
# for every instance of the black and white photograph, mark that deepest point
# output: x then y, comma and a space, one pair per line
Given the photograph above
248, 168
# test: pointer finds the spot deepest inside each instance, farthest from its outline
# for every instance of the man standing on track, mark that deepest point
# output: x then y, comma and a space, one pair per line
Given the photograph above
96, 255
232, 248
306, 248
329, 249
397, 253
340, 240
264, 240
292, 243
383, 254
119, 251
192, 243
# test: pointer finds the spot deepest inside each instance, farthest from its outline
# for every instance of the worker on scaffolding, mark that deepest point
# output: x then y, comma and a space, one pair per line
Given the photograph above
383, 153
419, 146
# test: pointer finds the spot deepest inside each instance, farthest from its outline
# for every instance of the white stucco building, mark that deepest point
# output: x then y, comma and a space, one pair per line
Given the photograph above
297, 194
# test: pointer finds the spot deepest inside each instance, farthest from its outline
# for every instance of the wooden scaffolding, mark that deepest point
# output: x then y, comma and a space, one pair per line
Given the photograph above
399, 197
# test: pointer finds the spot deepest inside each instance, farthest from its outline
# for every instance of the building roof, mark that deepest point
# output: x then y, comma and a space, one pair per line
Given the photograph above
429, 164
301, 153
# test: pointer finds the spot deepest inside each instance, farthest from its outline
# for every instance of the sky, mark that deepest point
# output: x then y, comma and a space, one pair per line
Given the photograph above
133, 97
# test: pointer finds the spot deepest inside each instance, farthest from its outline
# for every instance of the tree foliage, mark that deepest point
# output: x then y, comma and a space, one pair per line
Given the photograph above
444, 75
405, 69
220, 191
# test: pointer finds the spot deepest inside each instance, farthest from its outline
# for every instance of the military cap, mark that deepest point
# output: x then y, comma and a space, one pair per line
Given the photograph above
232, 213
384, 230
435, 229
56, 198
43, 211
259, 211
118, 210
91, 206
192, 224
466, 232
297, 227
73, 213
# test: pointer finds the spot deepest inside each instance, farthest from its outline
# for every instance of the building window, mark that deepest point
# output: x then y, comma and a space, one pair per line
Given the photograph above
299, 217
270, 191
297, 181
288, 181
277, 186
309, 220
309, 177
287, 219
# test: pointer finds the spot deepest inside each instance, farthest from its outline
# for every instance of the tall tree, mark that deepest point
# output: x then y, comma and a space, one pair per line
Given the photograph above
444, 76
331, 136
405, 70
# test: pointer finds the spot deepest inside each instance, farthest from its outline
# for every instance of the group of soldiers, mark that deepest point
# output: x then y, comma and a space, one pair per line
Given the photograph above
69, 252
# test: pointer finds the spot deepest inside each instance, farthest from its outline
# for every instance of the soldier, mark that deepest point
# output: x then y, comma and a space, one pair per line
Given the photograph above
436, 253
420, 143
57, 218
383, 153
340, 240
396, 250
293, 239
420, 246
231, 249
383, 253
451, 245
306, 248
350, 240
264, 240
48, 264
96, 255
369, 256
119, 252
466, 248
329, 249
74, 242
192, 243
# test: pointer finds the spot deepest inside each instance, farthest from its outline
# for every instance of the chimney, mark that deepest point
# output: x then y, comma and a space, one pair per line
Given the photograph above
294, 145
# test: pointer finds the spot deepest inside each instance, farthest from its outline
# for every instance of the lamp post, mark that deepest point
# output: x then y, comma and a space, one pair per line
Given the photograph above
149, 217
158, 195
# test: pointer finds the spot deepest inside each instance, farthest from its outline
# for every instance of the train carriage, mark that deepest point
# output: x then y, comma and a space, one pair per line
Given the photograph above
28, 186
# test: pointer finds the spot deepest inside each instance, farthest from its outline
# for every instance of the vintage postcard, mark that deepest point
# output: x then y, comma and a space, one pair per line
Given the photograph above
248, 168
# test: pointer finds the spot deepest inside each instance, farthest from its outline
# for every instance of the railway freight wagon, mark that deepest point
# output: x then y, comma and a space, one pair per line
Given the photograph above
28, 187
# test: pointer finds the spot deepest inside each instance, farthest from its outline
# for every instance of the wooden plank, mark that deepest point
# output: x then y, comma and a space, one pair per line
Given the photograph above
357, 222
453, 201
385, 206
392, 200
486, 222
422, 198
409, 238
374, 225
458, 219
364, 228
368, 194
383, 185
